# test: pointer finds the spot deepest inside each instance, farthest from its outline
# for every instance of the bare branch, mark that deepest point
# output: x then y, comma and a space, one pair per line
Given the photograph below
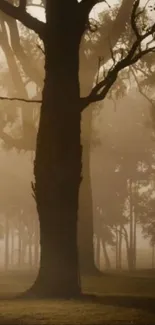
21, 99
40, 48
134, 54
24, 17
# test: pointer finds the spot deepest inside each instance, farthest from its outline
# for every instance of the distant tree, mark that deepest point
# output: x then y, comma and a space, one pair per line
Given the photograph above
57, 165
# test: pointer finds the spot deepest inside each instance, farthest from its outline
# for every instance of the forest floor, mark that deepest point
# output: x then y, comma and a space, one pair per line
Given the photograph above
121, 298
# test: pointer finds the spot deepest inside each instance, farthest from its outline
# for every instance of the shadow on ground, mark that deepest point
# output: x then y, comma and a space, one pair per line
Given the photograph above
143, 303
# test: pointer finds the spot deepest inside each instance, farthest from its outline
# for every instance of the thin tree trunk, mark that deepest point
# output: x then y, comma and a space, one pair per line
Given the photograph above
12, 247
19, 243
6, 259
127, 246
117, 243
131, 228
98, 251
135, 241
120, 248
106, 257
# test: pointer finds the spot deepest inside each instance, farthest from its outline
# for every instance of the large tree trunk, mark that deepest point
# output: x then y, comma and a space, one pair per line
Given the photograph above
57, 165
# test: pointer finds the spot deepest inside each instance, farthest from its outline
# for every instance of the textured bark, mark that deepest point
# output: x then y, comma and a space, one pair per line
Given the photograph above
57, 165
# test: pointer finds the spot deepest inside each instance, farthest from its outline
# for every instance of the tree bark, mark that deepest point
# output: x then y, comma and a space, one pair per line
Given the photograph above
57, 166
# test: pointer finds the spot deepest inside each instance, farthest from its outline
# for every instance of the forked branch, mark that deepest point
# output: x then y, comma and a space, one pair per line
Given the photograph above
23, 16
135, 53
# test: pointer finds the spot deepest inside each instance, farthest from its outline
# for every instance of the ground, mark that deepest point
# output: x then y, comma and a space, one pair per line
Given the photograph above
121, 298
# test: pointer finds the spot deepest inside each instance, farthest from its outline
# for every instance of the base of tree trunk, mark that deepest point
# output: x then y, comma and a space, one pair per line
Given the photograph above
31, 294
36, 292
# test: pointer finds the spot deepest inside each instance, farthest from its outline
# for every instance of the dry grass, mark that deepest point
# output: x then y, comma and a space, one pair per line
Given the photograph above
122, 299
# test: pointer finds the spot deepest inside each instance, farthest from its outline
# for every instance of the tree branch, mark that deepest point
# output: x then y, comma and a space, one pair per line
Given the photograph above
21, 99
22, 4
24, 17
135, 53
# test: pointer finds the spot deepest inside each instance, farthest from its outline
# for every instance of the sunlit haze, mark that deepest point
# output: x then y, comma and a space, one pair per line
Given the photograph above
77, 198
